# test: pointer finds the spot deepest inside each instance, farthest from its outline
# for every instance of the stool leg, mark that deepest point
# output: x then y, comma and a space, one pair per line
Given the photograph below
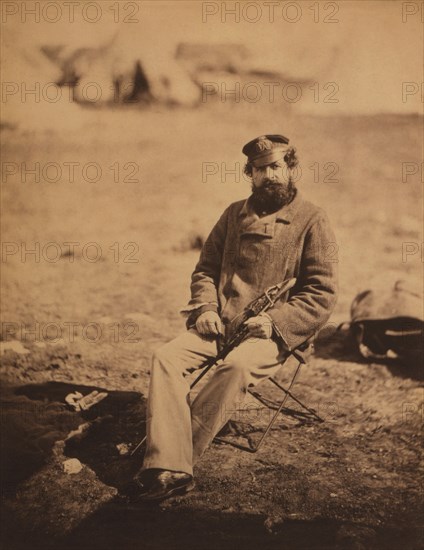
277, 412
271, 423
288, 392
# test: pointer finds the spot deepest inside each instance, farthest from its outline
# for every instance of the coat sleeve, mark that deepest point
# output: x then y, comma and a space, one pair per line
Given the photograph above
206, 275
314, 296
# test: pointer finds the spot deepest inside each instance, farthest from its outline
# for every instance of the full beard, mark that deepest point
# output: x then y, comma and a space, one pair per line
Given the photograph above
272, 196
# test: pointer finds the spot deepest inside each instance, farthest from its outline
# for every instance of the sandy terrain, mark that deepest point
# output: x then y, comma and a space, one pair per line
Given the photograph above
351, 482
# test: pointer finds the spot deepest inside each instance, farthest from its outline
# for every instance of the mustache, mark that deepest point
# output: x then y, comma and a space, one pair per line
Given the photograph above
271, 186
271, 183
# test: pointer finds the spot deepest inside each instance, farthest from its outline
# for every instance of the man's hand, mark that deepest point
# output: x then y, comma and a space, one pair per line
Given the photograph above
260, 326
209, 323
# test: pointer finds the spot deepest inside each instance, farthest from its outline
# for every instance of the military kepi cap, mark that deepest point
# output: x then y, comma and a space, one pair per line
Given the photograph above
265, 150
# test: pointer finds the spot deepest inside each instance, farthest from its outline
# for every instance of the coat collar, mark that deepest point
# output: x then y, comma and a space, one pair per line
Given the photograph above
285, 214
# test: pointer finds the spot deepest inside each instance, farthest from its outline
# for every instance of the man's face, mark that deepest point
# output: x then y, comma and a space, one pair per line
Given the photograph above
275, 172
272, 187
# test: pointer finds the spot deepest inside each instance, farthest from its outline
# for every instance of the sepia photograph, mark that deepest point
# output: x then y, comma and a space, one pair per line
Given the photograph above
212, 262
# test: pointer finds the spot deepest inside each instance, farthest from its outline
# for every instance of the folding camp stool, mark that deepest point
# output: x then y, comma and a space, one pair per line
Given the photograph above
301, 354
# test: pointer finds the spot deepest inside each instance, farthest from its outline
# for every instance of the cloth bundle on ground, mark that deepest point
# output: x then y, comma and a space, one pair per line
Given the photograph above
389, 325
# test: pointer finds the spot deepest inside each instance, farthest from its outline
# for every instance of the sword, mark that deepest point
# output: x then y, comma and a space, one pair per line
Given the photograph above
259, 305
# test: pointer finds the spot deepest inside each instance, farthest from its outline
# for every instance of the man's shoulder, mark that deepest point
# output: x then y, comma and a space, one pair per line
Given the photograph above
310, 211
301, 207
235, 207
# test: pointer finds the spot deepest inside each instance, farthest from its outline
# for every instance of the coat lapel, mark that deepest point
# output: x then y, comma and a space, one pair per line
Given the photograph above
252, 224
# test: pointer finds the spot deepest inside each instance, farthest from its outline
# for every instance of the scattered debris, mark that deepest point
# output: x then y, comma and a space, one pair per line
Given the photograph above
192, 241
123, 448
39, 344
82, 403
80, 432
72, 466
13, 345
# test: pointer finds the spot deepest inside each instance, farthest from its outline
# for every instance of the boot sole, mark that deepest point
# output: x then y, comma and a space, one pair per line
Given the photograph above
184, 489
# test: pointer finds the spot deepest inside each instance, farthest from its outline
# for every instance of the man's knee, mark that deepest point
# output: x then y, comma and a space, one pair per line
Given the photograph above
252, 358
163, 356
237, 368
174, 355
159, 354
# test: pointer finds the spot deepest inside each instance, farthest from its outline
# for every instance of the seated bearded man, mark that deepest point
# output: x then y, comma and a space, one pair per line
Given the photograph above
272, 236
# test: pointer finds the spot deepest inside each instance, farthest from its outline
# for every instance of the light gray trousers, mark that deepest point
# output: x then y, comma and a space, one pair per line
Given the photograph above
178, 432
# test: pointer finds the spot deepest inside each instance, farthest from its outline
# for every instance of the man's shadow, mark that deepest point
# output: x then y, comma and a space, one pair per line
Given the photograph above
113, 428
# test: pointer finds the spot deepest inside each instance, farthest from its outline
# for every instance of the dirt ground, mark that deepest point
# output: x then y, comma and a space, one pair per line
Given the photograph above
350, 482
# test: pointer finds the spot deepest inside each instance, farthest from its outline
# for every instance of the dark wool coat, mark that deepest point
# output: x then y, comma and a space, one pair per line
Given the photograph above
245, 254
